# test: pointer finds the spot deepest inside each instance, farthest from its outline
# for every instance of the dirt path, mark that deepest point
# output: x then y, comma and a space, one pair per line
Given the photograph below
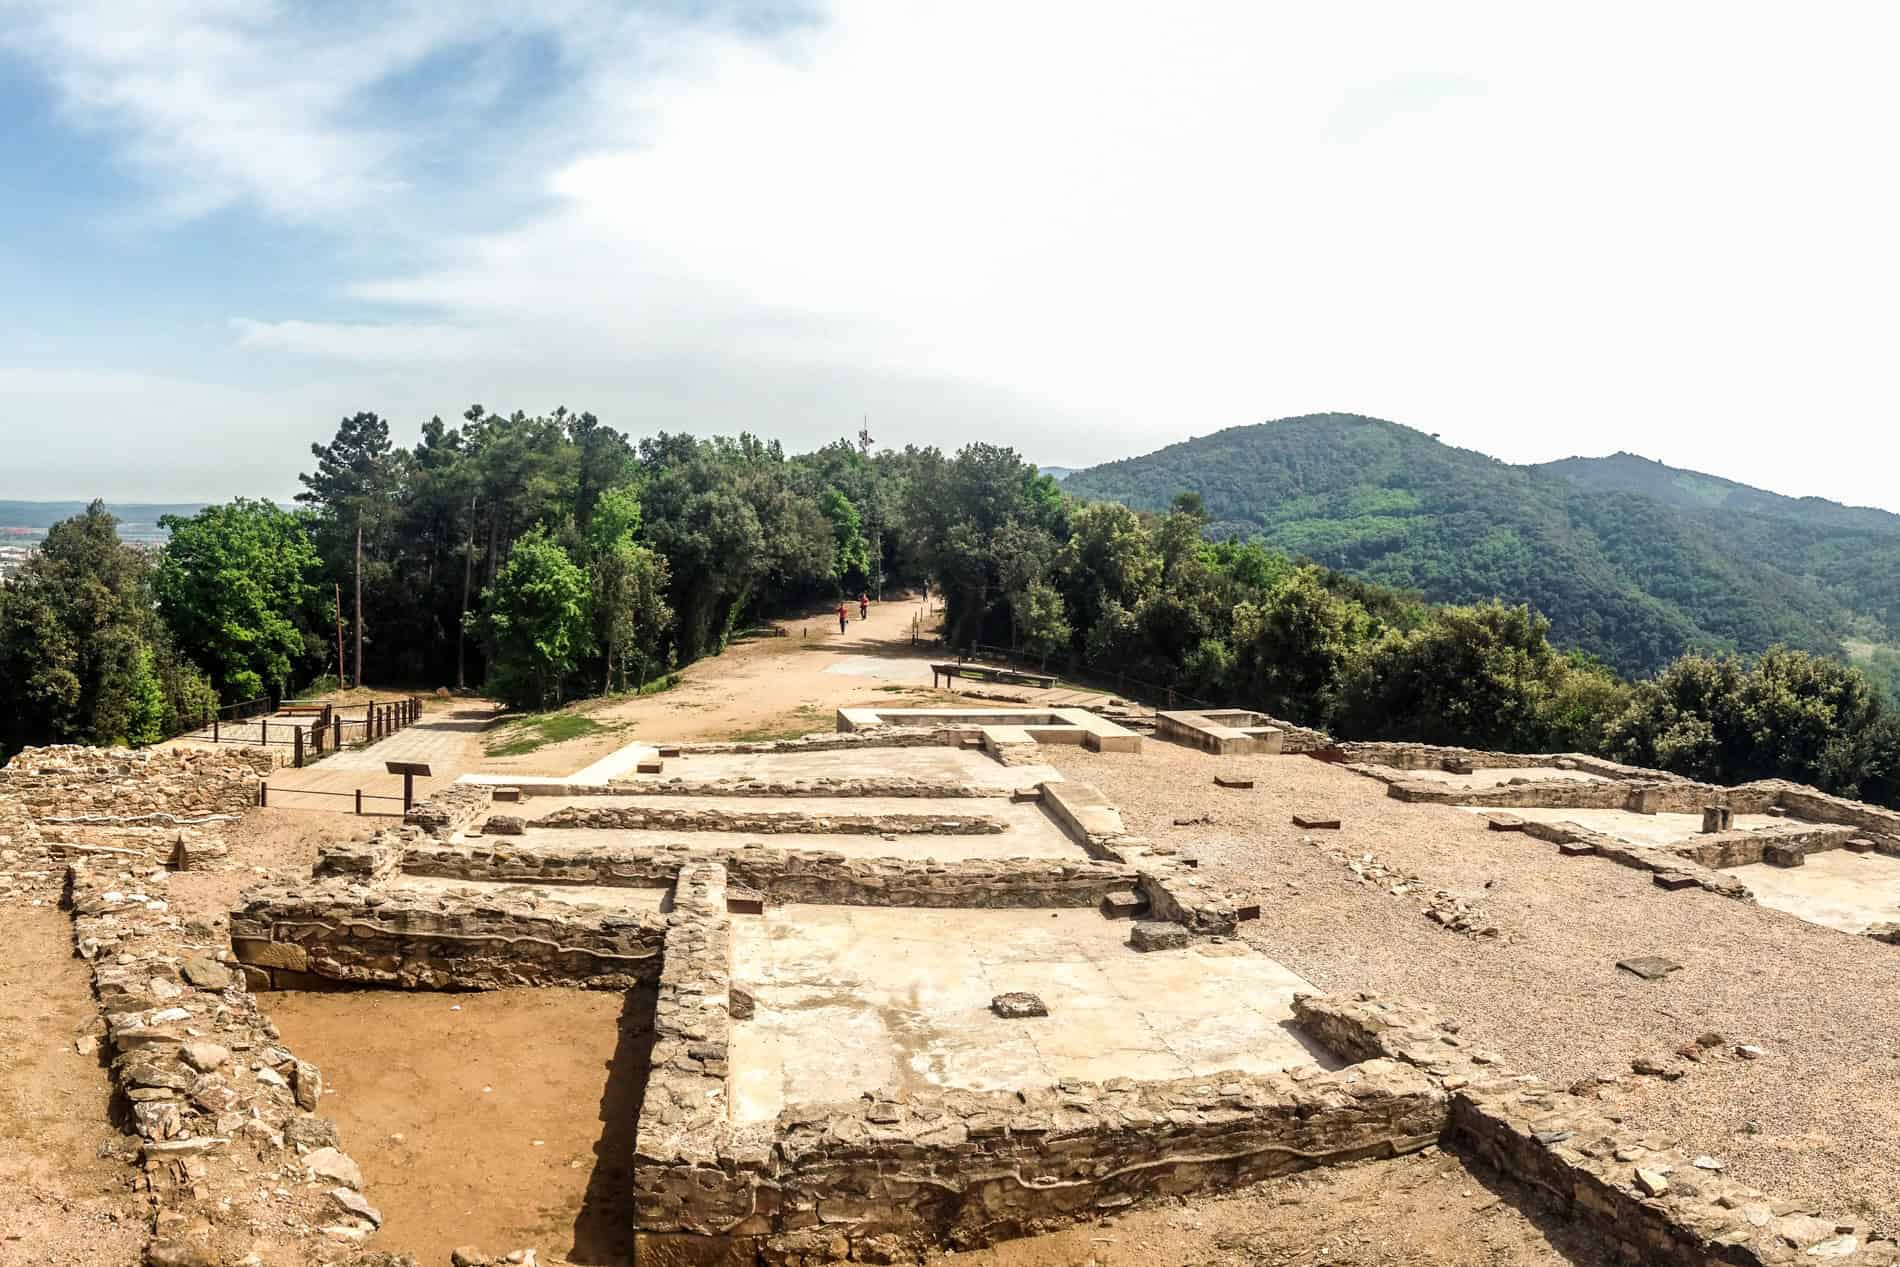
768, 686
65, 1194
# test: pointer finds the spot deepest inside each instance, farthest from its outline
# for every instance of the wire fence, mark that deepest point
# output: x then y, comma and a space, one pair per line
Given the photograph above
275, 796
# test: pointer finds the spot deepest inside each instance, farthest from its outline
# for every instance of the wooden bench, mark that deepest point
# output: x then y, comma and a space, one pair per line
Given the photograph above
989, 673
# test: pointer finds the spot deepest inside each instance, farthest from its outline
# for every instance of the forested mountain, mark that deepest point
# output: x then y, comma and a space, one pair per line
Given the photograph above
1631, 561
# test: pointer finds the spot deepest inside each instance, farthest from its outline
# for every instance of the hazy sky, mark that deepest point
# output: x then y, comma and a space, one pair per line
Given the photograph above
1083, 229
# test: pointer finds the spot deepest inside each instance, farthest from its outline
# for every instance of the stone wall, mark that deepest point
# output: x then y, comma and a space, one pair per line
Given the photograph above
1642, 1200
766, 821
1424, 756
341, 933
106, 787
216, 1100
451, 809
784, 875
827, 741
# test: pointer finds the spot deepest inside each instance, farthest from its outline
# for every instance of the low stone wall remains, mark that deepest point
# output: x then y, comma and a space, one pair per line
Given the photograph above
451, 809
827, 741
111, 786
784, 875
331, 933
894, 785
219, 1105
1644, 1201
765, 821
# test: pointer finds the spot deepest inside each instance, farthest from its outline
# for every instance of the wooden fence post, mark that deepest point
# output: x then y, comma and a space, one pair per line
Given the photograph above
336, 733
263, 731
263, 794
359, 802
296, 746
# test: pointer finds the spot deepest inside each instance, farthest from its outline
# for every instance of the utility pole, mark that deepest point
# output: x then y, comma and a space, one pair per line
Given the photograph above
340, 683
870, 509
359, 596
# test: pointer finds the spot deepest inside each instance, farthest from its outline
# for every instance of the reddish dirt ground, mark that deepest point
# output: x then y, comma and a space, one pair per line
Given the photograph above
65, 1190
501, 1120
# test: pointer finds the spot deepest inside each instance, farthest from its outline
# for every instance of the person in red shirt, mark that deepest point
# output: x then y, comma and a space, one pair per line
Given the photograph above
864, 606
841, 617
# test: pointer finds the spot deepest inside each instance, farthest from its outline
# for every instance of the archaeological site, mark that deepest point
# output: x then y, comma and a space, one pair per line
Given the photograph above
1007, 976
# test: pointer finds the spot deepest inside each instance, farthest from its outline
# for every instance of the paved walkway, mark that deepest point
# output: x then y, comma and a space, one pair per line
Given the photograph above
449, 741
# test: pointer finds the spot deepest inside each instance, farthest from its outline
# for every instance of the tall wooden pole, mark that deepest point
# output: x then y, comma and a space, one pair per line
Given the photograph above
340, 682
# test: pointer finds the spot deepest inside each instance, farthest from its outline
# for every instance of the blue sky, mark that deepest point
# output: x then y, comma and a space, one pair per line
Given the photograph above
1084, 229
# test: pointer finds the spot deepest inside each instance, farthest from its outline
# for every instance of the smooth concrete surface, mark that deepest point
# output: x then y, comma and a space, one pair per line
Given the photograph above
1043, 840
1654, 830
946, 765
1836, 887
856, 999
1503, 775
887, 668
579, 896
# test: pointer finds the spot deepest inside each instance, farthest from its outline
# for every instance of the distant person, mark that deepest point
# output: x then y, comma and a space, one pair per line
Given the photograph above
841, 617
864, 606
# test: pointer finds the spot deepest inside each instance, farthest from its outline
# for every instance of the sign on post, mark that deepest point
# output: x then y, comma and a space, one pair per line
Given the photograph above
408, 770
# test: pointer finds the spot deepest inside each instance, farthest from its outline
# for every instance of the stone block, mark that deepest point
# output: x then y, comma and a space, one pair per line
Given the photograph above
1717, 818
504, 825
509, 795
1860, 844
1155, 935
1123, 904
1228, 779
1504, 822
270, 954
1673, 880
1783, 856
1017, 1005
1575, 848
1315, 822
650, 765
1643, 800
1649, 967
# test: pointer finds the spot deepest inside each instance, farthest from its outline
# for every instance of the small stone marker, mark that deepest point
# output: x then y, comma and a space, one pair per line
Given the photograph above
669, 750
1643, 800
1717, 818
503, 825
1575, 848
1673, 880
743, 901
1457, 765
1022, 795
1123, 904
1158, 935
1649, 967
1783, 856
1311, 822
1860, 844
649, 765
1244, 913
1229, 779
1504, 822
1018, 1005
507, 794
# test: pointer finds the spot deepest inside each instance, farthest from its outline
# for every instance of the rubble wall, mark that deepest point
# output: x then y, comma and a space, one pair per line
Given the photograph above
1643, 1202
784, 875
133, 787
666, 818
450, 809
335, 933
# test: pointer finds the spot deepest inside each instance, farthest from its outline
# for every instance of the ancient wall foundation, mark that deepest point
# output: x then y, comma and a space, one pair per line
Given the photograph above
337, 933
663, 817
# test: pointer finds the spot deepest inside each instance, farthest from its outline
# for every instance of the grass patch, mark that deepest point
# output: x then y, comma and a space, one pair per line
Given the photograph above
527, 734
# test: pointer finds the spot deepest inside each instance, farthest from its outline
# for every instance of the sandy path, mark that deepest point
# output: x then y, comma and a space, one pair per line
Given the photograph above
765, 687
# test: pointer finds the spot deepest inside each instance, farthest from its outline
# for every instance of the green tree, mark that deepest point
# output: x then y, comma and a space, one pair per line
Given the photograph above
631, 614
235, 584
352, 487
536, 616
1294, 646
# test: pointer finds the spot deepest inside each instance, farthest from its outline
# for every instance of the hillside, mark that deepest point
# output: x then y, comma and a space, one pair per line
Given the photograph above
1631, 561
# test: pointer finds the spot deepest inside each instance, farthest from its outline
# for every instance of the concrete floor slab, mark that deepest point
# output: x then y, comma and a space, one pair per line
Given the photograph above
857, 999
1028, 831
1653, 830
950, 765
885, 667
1836, 887
574, 895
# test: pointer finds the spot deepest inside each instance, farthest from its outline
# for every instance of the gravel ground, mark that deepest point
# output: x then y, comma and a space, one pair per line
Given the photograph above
1816, 1119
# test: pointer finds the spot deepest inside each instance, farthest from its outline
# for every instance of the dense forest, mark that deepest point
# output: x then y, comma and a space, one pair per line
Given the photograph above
1632, 562
549, 557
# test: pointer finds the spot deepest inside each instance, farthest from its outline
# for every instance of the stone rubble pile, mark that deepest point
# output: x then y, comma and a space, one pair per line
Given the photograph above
1441, 906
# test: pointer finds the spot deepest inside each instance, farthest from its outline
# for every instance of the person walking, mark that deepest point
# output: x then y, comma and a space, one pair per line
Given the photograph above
841, 617
864, 606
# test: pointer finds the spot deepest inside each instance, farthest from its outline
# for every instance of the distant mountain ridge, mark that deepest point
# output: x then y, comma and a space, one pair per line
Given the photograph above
1631, 560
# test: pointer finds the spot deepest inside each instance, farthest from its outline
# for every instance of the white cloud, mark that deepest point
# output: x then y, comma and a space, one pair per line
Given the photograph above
1091, 228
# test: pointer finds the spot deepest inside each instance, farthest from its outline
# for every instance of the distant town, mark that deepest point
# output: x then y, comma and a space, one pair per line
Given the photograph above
23, 526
